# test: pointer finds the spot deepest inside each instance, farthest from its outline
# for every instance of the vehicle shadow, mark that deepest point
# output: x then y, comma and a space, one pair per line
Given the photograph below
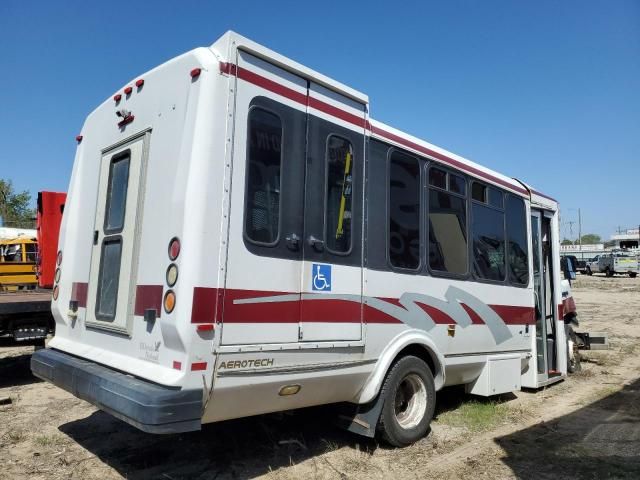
600, 440
15, 369
238, 449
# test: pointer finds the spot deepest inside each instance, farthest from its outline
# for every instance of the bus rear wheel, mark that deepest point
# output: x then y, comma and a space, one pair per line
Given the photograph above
409, 397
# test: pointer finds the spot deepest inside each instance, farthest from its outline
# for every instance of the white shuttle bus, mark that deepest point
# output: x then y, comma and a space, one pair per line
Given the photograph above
240, 237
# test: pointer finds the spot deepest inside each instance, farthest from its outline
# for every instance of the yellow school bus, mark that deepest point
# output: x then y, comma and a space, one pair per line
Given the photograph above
18, 263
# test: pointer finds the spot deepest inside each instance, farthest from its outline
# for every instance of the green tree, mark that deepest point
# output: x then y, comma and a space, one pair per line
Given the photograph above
566, 241
14, 207
590, 239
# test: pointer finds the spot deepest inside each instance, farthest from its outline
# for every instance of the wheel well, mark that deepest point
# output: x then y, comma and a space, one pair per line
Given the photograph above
422, 353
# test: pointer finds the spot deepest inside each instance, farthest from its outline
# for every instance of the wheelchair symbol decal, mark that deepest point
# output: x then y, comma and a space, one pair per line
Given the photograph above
321, 278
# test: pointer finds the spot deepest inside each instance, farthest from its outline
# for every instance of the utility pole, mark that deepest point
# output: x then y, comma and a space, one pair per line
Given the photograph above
580, 234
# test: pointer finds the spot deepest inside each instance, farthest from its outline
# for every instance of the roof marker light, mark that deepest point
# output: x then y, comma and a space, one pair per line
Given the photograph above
128, 90
139, 83
195, 72
78, 138
117, 98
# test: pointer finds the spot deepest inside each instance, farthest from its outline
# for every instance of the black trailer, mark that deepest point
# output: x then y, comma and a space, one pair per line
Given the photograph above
26, 316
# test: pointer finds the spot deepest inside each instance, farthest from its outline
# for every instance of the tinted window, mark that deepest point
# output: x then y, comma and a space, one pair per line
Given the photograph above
404, 211
488, 232
478, 192
457, 184
437, 178
117, 194
447, 231
488, 242
517, 244
108, 279
262, 217
339, 196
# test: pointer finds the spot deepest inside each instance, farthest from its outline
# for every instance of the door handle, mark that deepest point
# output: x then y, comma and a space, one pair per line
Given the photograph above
316, 243
293, 242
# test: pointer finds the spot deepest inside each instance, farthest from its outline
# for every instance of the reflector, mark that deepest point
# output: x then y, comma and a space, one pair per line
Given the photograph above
169, 301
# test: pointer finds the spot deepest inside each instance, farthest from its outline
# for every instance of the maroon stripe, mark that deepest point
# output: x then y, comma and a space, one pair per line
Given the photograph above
204, 307
451, 161
79, 293
545, 196
475, 318
267, 312
338, 113
148, 297
437, 315
515, 315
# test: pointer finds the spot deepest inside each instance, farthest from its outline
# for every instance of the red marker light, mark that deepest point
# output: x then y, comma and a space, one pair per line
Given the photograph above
117, 98
196, 72
128, 90
139, 83
205, 327
78, 138
174, 248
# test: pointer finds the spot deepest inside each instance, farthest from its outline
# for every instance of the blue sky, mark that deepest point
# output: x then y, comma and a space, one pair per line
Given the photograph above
545, 91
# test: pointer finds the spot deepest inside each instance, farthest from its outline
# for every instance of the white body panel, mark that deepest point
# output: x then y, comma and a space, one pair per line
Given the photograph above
245, 323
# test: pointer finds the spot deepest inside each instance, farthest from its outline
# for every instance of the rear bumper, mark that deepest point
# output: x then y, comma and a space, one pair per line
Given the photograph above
150, 407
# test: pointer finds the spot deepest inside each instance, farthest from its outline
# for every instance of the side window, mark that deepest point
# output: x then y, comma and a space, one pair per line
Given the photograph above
404, 211
32, 251
338, 195
488, 232
447, 222
262, 201
13, 253
517, 244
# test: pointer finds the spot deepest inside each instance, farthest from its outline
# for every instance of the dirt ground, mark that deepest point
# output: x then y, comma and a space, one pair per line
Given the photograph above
587, 427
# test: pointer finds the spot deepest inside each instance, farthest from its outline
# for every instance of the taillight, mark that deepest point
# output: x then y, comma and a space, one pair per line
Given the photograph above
172, 275
117, 98
78, 138
59, 258
57, 275
195, 72
128, 90
139, 83
169, 301
55, 292
174, 248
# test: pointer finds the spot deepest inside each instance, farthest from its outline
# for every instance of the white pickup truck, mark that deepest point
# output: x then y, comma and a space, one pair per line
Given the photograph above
614, 263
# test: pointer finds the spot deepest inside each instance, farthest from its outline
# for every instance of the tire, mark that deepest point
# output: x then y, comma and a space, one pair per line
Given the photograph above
632, 274
409, 397
589, 272
573, 355
608, 272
